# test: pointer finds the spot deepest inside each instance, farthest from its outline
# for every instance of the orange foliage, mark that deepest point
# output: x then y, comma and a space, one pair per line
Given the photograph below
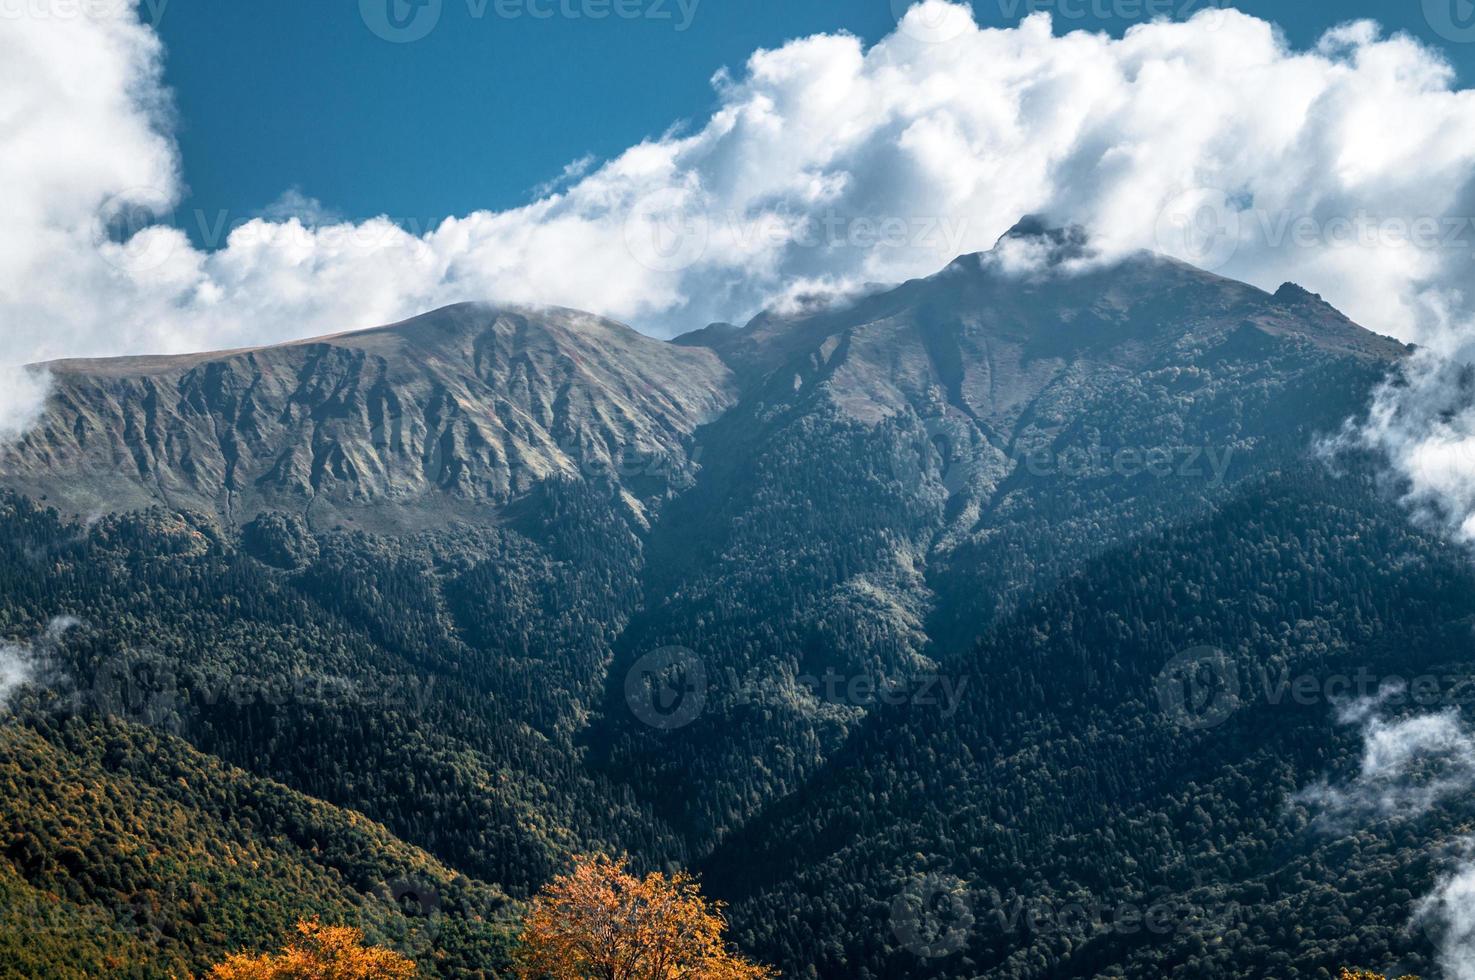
600, 921
319, 953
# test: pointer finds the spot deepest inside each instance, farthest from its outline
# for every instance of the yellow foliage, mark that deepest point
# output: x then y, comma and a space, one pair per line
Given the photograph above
319, 953
600, 921
1368, 975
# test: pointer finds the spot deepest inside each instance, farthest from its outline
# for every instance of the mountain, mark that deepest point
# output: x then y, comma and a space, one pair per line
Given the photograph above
899, 473
513, 583
442, 413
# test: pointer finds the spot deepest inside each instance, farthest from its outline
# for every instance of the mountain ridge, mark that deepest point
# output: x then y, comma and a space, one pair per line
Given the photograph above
472, 403
466, 404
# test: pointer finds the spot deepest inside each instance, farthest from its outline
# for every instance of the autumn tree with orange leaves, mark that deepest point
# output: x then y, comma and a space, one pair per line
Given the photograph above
319, 953
600, 922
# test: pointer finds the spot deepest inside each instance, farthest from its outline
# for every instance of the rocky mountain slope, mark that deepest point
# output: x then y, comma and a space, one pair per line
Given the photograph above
465, 406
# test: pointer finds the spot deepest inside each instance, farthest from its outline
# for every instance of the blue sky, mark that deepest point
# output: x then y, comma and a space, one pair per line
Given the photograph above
278, 94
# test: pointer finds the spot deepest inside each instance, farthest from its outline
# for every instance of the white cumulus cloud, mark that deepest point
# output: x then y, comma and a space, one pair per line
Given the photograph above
826, 165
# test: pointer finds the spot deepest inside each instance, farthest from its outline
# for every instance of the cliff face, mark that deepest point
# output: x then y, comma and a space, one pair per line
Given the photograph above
460, 408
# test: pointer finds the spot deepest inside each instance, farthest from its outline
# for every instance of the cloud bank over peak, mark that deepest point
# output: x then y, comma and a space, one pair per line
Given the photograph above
827, 164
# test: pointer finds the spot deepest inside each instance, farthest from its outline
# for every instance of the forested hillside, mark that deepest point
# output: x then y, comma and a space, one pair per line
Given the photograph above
853, 611
127, 853
1064, 788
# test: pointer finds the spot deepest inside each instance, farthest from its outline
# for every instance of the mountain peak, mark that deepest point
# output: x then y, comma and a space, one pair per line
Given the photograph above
1059, 242
1293, 294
